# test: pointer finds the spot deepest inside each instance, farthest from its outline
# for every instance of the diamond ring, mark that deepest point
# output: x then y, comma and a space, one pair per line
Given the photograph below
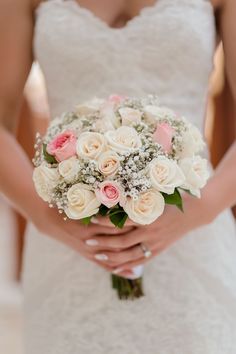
146, 251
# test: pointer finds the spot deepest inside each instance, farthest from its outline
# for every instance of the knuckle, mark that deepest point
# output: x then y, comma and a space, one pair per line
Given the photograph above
124, 241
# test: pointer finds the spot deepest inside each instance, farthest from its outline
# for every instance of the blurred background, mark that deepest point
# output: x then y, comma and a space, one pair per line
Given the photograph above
220, 132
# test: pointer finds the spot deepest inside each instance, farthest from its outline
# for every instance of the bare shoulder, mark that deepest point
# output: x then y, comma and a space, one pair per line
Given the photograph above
14, 7
36, 3
219, 4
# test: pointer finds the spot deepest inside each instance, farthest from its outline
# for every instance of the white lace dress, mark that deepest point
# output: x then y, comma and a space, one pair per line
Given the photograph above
190, 303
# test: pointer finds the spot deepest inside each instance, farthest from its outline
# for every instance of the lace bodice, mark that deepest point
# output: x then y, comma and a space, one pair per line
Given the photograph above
166, 50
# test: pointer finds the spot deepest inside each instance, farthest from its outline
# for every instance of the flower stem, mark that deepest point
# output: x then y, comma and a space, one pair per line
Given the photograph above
127, 289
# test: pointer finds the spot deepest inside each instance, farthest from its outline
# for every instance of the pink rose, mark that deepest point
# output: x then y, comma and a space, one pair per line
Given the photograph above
116, 99
63, 146
109, 193
163, 136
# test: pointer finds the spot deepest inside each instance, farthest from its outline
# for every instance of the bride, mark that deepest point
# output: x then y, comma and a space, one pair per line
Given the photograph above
95, 48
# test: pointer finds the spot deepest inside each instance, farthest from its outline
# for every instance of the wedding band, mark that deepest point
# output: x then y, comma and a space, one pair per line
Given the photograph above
146, 251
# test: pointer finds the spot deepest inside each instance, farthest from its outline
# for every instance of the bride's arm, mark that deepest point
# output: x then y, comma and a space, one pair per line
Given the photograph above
218, 194
16, 32
222, 187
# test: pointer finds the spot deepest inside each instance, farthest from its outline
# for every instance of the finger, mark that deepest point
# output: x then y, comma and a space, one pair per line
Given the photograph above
121, 241
137, 262
106, 230
83, 232
119, 258
105, 221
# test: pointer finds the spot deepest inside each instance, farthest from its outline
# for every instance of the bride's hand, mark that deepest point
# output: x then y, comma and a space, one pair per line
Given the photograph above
73, 233
157, 237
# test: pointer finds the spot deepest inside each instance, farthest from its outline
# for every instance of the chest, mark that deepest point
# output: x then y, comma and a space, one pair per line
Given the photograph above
116, 13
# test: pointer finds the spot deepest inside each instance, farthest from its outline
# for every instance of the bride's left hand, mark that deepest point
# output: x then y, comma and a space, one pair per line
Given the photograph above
124, 252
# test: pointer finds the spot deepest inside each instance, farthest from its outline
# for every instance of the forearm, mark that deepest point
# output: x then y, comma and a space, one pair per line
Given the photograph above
221, 188
16, 175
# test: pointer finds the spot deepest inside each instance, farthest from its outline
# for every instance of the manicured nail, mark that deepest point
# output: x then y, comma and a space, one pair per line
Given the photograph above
94, 220
101, 257
118, 270
91, 242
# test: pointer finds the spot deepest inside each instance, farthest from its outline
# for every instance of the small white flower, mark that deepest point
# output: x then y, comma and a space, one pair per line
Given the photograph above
196, 174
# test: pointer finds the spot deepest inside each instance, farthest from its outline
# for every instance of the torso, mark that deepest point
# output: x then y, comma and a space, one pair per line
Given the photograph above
118, 12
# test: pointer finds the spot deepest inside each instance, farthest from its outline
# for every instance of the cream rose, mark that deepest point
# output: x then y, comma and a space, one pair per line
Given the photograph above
154, 113
130, 116
165, 174
124, 139
69, 169
82, 202
196, 174
108, 117
108, 163
192, 142
90, 145
89, 107
45, 179
149, 206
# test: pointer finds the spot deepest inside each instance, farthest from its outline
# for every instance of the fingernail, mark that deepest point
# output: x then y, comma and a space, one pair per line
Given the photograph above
94, 220
101, 257
118, 270
91, 242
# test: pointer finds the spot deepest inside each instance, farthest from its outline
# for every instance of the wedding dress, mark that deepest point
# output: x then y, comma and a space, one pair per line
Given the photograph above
190, 302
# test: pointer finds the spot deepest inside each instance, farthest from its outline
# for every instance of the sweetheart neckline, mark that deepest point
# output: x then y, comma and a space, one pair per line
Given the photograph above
97, 19
91, 16
132, 20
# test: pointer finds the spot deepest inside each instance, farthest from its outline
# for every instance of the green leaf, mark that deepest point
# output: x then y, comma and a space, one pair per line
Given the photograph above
174, 199
86, 221
48, 158
118, 218
103, 210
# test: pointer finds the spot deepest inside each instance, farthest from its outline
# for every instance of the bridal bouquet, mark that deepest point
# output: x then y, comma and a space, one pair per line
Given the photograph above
120, 158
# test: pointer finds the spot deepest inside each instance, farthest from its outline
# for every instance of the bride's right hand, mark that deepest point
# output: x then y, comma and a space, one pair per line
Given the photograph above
73, 233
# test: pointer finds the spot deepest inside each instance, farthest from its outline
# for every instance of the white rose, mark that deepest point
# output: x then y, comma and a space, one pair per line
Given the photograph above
82, 202
154, 113
89, 107
108, 117
108, 163
130, 116
149, 206
192, 142
76, 126
196, 174
90, 145
69, 169
124, 139
45, 179
165, 174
